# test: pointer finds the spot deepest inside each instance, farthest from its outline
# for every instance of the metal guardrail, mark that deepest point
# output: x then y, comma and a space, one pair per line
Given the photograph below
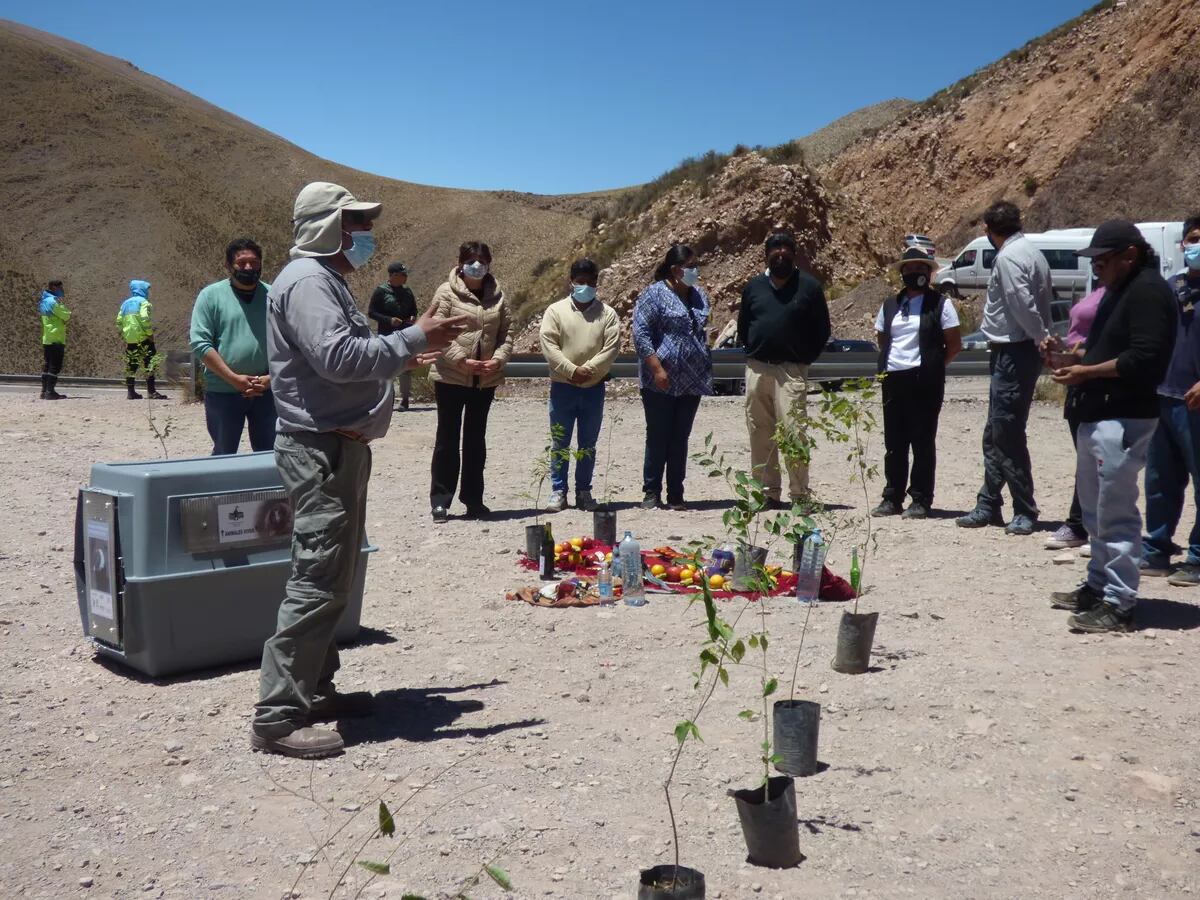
727, 365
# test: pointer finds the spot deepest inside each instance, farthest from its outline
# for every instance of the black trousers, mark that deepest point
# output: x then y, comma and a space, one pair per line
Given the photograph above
462, 414
912, 402
52, 358
1015, 368
1075, 516
668, 426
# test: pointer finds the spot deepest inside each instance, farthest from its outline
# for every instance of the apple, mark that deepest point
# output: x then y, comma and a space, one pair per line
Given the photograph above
674, 573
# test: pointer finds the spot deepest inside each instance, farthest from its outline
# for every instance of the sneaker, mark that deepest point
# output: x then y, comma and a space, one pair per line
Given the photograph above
478, 511
303, 743
1020, 525
334, 705
916, 511
585, 501
651, 501
1154, 569
1187, 575
439, 514
1101, 619
886, 508
677, 505
979, 518
1065, 538
1081, 599
557, 501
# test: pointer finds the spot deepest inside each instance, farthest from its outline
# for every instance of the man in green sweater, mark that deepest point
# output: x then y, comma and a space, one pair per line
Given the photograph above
229, 335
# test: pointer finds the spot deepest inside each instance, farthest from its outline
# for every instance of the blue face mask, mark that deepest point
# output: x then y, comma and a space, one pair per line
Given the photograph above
583, 293
361, 250
475, 269
691, 277
1191, 256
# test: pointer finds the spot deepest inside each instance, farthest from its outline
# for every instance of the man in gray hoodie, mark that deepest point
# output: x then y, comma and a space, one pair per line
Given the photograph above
332, 380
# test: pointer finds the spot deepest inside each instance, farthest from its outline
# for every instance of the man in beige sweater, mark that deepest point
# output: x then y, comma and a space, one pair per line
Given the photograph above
579, 337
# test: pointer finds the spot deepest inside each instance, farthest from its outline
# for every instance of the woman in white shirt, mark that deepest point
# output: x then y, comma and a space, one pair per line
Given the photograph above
918, 337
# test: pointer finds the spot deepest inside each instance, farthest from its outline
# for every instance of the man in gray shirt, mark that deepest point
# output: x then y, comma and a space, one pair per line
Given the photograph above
1016, 318
332, 380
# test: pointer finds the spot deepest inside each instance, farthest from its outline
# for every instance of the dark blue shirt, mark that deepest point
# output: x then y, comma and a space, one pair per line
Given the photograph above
1184, 371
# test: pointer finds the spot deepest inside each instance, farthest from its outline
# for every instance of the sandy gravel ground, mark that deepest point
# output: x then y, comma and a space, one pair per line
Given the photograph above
990, 754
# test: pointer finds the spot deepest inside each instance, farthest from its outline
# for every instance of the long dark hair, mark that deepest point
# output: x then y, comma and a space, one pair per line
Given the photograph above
676, 256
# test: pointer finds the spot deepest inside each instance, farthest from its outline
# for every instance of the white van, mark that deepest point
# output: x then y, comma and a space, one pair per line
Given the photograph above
1165, 239
1069, 272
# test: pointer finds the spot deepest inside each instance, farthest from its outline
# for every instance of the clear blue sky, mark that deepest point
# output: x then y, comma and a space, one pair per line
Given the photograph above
540, 96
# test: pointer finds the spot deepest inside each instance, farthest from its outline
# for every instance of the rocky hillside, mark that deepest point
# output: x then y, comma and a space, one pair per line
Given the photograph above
725, 217
1098, 118
111, 174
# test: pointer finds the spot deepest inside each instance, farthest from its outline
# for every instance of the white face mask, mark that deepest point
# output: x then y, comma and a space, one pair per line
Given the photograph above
691, 277
475, 269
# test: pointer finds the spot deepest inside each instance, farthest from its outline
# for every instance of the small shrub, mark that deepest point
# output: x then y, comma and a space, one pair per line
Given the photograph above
1030, 184
1048, 390
543, 266
787, 154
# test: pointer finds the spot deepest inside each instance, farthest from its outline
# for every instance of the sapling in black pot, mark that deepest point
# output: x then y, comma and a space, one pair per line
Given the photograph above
604, 516
767, 812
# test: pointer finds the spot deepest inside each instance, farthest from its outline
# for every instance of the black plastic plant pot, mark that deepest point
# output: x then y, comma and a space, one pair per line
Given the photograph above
533, 540
745, 558
797, 724
604, 526
662, 882
856, 634
770, 827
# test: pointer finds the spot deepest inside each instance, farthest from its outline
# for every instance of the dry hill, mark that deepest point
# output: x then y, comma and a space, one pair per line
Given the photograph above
110, 174
1097, 118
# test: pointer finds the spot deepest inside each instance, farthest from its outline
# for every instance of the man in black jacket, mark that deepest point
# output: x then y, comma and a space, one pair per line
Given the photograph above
783, 323
1113, 396
394, 307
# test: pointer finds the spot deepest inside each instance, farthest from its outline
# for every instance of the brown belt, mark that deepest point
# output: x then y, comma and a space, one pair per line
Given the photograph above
353, 435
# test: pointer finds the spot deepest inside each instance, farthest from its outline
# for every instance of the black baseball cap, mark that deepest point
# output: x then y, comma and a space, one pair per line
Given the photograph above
397, 268
1115, 234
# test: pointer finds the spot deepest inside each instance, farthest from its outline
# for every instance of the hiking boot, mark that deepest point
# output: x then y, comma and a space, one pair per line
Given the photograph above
303, 743
651, 501
916, 511
478, 511
1020, 525
439, 514
1079, 600
1187, 575
332, 705
886, 508
557, 501
155, 395
55, 395
133, 395
1065, 538
774, 503
1101, 619
585, 501
677, 505
1152, 568
979, 518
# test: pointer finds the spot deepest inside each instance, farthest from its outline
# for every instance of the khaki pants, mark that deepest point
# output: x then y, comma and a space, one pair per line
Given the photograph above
772, 389
326, 477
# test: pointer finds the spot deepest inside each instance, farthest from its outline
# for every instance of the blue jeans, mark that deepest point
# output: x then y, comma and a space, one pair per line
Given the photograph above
1110, 456
227, 414
1174, 458
571, 405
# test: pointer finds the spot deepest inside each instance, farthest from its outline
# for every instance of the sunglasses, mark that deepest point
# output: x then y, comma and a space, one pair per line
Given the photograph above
355, 218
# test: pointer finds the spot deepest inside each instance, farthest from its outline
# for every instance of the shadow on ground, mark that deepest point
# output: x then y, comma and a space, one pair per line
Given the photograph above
424, 714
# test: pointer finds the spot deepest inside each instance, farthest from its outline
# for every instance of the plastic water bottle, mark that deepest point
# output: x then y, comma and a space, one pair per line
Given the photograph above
632, 588
812, 564
604, 584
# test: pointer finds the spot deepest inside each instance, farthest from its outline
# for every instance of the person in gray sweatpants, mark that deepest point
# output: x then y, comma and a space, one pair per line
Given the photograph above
332, 380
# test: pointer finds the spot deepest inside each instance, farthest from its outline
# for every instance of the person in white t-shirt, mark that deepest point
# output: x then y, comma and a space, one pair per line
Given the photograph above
918, 337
